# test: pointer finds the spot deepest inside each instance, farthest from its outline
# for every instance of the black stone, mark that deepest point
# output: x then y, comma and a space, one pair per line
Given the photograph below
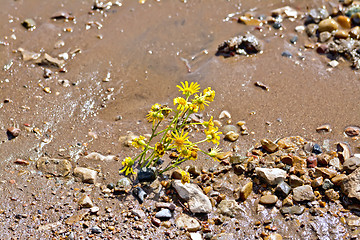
110, 186
140, 194
294, 39
286, 54
277, 25
146, 175
317, 149
96, 229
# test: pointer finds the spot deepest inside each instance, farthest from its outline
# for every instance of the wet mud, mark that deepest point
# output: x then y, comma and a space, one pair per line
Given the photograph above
118, 62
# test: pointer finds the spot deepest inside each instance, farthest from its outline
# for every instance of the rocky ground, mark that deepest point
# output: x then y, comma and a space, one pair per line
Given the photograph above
79, 77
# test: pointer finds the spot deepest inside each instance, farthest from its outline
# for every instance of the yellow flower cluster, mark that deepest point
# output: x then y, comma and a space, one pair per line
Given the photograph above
175, 136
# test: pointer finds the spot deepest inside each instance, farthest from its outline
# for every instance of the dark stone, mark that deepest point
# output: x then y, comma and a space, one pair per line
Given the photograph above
317, 149
146, 175
283, 189
96, 229
140, 194
29, 23
277, 25
286, 54
294, 39
327, 184
323, 48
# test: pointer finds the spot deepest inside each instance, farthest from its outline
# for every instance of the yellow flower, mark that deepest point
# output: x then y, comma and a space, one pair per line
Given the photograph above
193, 108
185, 152
179, 140
189, 90
193, 153
165, 110
159, 150
200, 101
209, 94
212, 135
214, 152
185, 177
139, 142
182, 103
209, 124
127, 163
156, 107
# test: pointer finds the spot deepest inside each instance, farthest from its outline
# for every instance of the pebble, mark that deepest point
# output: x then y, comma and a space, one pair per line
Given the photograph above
351, 164
96, 229
297, 209
324, 128
341, 34
295, 181
29, 24
146, 175
268, 199
188, 223
324, 36
327, 184
85, 202
228, 208
344, 21
229, 128
352, 131
317, 182
311, 161
271, 176
333, 63
245, 191
123, 185
355, 32
13, 132
311, 29
303, 193
139, 213
249, 21
156, 221
140, 194
163, 214
316, 149
343, 151
21, 162
328, 25
232, 136
273, 236
294, 39
286, 54
332, 195
94, 210
282, 189
195, 236
337, 180
277, 25
224, 114
355, 18
85, 174
268, 145
317, 14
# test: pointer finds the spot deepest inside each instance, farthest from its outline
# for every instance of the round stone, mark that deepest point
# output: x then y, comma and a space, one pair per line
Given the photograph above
355, 18
268, 199
342, 34
328, 25
344, 21
355, 32
273, 236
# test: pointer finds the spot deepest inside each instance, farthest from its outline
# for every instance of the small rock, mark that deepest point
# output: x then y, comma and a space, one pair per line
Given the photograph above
85, 174
324, 128
317, 149
195, 236
336, 164
352, 131
124, 185
344, 21
21, 162
224, 114
294, 39
343, 151
85, 202
176, 174
94, 210
268, 145
333, 63
337, 180
140, 194
311, 29
96, 229
286, 54
318, 14
156, 221
139, 213
327, 184
355, 34
48, 60
317, 182
232, 136
297, 209
286, 12
273, 236
295, 181
351, 164
146, 175
272, 176
224, 236
249, 21
188, 223
76, 217
311, 162
341, 34
237, 159
163, 214
325, 172
53, 166
277, 25
303, 193
328, 25
229, 128
282, 189
13, 132
197, 200
351, 185
228, 208
332, 195
29, 24
324, 36
246, 191
268, 199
